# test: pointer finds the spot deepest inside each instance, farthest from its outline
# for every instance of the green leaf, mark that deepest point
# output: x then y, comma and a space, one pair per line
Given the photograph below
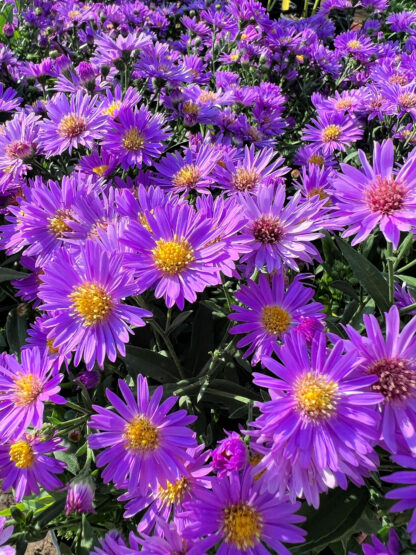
202, 339
150, 364
367, 274
7, 274
70, 459
344, 287
338, 515
50, 513
407, 279
15, 331
179, 320
88, 538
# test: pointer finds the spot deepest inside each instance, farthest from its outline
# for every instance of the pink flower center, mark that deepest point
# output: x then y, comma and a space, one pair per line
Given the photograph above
396, 381
268, 229
385, 195
344, 104
399, 79
407, 100
245, 179
72, 126
19, 150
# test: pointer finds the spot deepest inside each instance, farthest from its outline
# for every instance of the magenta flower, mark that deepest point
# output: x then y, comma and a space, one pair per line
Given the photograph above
230, 454
79, 498
5, 534
332, 131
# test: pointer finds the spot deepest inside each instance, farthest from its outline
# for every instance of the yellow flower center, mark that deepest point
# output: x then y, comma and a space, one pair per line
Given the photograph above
74, 13
207, 96
190, 108
234, 57
317, 191
344, 104
27, 388
275, 319
133, 140
57, 224
52, 350
187, 176
72, 126
115, 105
174, 493
354, 44
141, 435
316, 159
21, 453
331, 133
173, 257
242, 525
100, 170
91, 303
245, 179
300, 58
316, 397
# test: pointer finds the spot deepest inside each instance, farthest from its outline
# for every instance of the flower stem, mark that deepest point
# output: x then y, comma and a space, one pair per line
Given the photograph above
169, 347
390, 267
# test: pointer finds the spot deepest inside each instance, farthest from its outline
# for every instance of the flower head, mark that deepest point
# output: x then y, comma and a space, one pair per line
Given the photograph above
230, 454
79, 498
332, 131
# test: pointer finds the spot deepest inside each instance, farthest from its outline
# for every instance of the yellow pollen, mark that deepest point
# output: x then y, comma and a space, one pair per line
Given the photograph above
300, 57
91, 303
331, 133
316, 159
245, 179
27, 389
187, 176
243, 36
354, 44
73, 13
141, 435
133, 140
344, 104
207, 96
190, 108
72, 126
173, 257
316, 397
57, 224
174, 493
52, 350
100, 170
21, 453
275, 319
144, 221
234, 57
242, 525
115, 105
317, 191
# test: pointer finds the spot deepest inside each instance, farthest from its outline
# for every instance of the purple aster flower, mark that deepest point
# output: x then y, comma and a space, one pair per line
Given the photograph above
332, 131
24, 464
193, 171
89, 378
8, 99
278, 234
406, 495
169, 542
378, 548
403, 297
79, 498
113, 544
178, 255
356, 44
27, 288
402, 98
247, 173
237, 517
402, 22
24, 388
71, 124
307, 155
322, 417
271, 312
37, 335
377, 195
143, 444
5, 534
99, 165
316, 181
86, 293
391, 360
117, 100
230, 454
136, 137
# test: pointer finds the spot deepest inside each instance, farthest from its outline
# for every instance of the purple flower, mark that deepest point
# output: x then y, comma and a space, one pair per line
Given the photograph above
391, 360
402, 22
5, 534
356, 44
238, 517
272, 311
71, 124
136, 137
89, 378
116, 101
85, 294
316, 181
403, 297
332, 131
377, 195
113, 544
169, 542
143, 445
24, 464
8, 99
79, 498
230, 454
24, 388
378, 548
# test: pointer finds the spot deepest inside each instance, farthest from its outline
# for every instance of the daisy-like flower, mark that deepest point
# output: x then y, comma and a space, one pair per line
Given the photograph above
24, 464
8, 99
402, 22
136, 137
144, 446
391, 360
37, 335
236, 516
85, 294
271, 312
230, 454
169, 542
24, 388
246, 174
72, 123
178, 253
278, 234
377, 195
115, 101
316, 181
406, 495
332, 131
321, 418
356, 44
5, 534
193, 171
402, 99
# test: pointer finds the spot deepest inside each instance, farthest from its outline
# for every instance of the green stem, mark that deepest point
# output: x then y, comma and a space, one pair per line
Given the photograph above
315, 6
70, 424
390, 266
305, 8
169, 347
76, 407
408, 309
407, 267
403, 248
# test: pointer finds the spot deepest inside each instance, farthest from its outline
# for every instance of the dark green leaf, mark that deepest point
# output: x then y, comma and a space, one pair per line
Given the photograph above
150, 364
15, 331
345, 287
70, 459
202, 339
367, 274
49, 514
7, 274
407, 279
179, 320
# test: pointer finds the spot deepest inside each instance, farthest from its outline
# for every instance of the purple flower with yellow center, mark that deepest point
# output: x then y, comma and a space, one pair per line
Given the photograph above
144, 446
316, 181
377, 195
135, 137
332, 131
37, 335
99, 165
24, 463
178, 253
356, 44
71, 124
24, 388
247, 173
230, 454
272, 310
391, 361
193, 171
322, 415
402, 99
79, 498
281, 235
5, 534
238, 516
307, 155
115, 101
85, 294
402, 22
